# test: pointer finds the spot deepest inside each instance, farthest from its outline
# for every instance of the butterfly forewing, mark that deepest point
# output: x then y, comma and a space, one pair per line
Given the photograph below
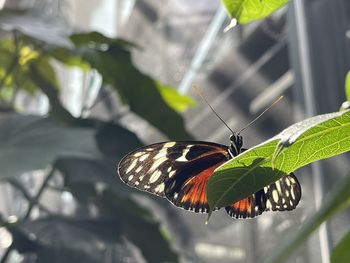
167, 166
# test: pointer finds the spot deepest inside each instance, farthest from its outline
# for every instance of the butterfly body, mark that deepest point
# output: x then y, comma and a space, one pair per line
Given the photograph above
180, 171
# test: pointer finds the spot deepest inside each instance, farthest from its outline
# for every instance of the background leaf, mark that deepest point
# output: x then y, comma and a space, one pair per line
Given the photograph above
347, 86
112, 59
29, 142
174, 99
341, 253
246, 11
310, 140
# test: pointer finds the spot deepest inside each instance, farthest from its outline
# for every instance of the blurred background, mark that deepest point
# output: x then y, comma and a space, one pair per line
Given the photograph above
82, 83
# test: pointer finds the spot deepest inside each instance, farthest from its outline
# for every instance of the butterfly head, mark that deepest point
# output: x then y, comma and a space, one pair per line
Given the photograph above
236, 144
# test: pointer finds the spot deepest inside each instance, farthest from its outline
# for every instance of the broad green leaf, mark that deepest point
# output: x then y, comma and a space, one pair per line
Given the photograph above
337, 200
174, 99
246, 11
29, 142
341, 253
347, 86
310, 140
113, 61
115, 141
72, 240
155, 248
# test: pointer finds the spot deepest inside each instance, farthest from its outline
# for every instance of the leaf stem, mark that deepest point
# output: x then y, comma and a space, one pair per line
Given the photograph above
35, 200
27, 196
14, 62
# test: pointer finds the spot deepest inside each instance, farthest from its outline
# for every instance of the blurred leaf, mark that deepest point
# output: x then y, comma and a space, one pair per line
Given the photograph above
78, 170
94, 37
21, 241
72, 240
69, 58
341, 253
135, 220
313, 139
112, 60
29, 142
246, 11
337, 200
115, 141
82, 176
155, 247
347, 86
174, 99
50, 88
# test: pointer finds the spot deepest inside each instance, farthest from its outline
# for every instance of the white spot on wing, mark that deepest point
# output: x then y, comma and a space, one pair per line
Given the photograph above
138, 154
144, 157
182, 158
292, 193
169, 144
138, 169
275, 196
160, 154
288, 181
157, 163
159, 188
130, 177
155, 176
171, 174
278, 186
131, 166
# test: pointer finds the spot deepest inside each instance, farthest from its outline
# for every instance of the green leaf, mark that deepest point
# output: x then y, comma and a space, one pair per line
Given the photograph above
310, 140
174, 99
246, 11
29, 142
113, 61
337, 200
341, 253
347, 86
115, 141
135, 220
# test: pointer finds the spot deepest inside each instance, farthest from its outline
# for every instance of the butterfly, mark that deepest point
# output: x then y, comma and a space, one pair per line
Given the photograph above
179, 171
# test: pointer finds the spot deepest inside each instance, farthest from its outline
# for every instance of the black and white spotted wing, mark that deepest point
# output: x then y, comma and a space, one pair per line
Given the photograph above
180, 171
156, 167
282, 195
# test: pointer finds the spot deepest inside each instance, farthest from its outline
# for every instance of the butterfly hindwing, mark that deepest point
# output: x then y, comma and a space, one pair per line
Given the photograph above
162, 168
282, 195
189, 189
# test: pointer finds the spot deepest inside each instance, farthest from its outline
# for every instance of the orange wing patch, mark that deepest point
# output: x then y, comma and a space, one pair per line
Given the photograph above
193, 194
249, 207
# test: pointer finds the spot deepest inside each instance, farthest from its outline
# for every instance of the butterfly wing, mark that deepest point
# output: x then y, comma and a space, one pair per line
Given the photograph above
178, 171
282, 195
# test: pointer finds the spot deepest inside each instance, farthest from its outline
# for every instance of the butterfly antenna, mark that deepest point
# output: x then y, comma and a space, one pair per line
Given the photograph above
200, 93
261, 114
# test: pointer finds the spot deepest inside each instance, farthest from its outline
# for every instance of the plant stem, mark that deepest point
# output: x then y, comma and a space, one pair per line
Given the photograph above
7, 253
14, 62
26, 195
35, 200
